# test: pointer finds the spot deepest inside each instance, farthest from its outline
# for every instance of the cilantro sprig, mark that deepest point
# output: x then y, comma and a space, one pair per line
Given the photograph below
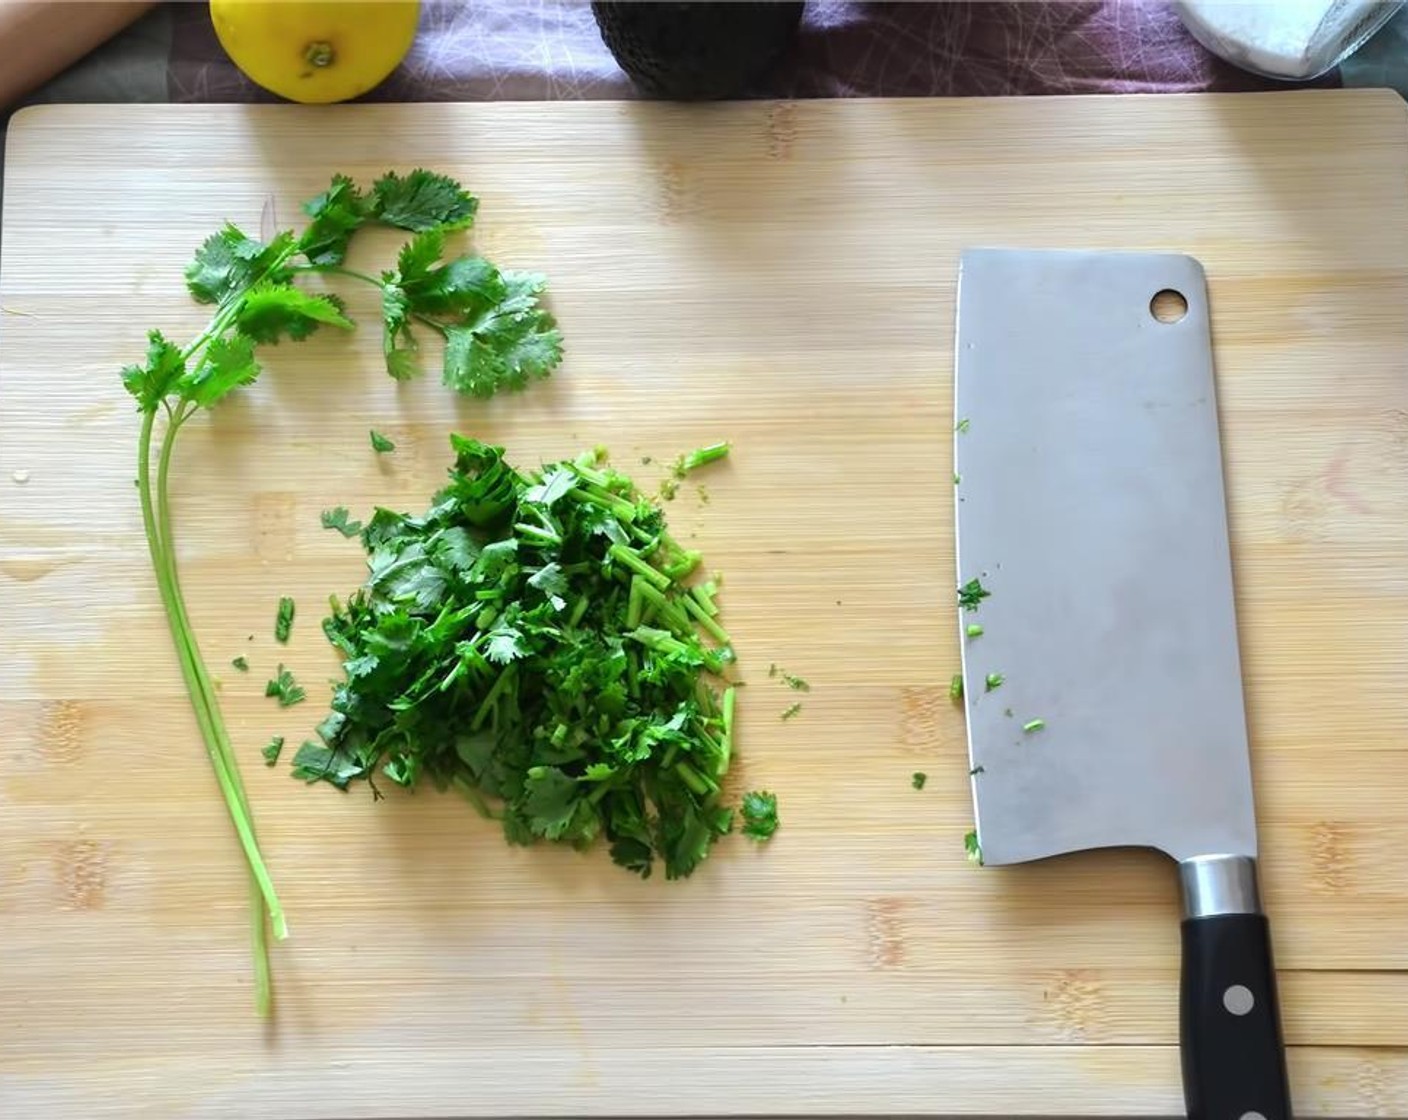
537, 641
497, 336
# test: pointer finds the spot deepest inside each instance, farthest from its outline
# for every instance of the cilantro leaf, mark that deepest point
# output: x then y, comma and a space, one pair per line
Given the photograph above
231, 261
241, 663
550, 801
418, 258
380, 444
759, 814
505, 645
549, 579
318, 762
919, 779
336, 215
284, 689
463, 285
422, 200
273, 750
270, 311
226, 364
157, 378
337, 518
506, 345
398, 344
555, 486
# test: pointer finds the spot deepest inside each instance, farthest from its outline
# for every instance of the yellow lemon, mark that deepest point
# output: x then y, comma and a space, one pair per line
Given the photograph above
316, 50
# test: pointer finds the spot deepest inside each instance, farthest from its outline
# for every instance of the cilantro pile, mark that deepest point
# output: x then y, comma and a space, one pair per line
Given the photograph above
496, 336
537, 641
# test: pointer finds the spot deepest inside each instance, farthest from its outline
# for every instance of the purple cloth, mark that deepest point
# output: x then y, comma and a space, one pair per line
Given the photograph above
550, 50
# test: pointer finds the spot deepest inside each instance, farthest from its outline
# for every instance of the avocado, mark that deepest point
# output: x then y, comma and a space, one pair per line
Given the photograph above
693, 52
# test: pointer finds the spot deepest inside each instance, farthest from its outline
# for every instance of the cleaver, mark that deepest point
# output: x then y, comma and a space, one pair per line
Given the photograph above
1102, 681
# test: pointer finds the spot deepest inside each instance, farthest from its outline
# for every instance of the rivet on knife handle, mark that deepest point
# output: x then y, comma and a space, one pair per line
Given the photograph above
1234, 1061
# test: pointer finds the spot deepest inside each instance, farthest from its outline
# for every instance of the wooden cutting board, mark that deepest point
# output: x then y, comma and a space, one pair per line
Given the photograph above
780, 275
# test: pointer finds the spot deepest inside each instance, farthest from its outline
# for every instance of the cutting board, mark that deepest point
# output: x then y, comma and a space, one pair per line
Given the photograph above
780, 275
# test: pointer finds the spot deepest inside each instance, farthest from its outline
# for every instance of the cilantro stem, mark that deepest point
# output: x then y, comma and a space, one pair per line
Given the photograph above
714, 630
633, 560
729, 694
156, 521
340, 270
695, 780
703, 455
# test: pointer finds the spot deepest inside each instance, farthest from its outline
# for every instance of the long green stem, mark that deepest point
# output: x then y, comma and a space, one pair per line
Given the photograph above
243, 824
201, 694
339, 270
259, 910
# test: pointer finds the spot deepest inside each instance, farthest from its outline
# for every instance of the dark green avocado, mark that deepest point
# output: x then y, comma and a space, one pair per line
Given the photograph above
691, 52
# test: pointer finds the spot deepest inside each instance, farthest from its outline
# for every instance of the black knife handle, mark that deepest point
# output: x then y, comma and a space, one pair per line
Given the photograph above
1234, 1062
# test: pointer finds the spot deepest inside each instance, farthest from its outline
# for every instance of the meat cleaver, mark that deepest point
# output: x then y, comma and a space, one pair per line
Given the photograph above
1102, 681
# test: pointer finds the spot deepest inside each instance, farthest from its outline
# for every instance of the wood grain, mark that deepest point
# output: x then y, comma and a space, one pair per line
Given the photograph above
781, 276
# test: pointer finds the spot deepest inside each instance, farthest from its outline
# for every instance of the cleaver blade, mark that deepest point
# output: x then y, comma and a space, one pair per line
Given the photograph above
1103, 686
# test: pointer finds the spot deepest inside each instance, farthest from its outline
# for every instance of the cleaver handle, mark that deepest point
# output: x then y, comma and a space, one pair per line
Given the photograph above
1234, 1061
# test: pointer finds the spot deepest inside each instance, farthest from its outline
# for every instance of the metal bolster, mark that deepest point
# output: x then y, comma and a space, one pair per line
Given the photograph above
1214, 885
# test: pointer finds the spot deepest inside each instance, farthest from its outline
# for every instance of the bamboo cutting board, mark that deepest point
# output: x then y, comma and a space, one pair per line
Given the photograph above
781, 276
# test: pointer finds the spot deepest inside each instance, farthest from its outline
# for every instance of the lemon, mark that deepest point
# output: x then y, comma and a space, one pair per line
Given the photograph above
316, 50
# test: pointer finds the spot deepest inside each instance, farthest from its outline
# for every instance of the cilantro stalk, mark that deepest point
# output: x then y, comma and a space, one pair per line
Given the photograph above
497, 336
156, 522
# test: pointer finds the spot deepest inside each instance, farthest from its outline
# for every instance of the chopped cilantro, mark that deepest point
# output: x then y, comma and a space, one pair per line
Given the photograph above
537, 641
918, 780
380, 444
759, 811
971, 594
970, 845
241, 663
285, 689
693, 460
338, 519
283, 621
271, 752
